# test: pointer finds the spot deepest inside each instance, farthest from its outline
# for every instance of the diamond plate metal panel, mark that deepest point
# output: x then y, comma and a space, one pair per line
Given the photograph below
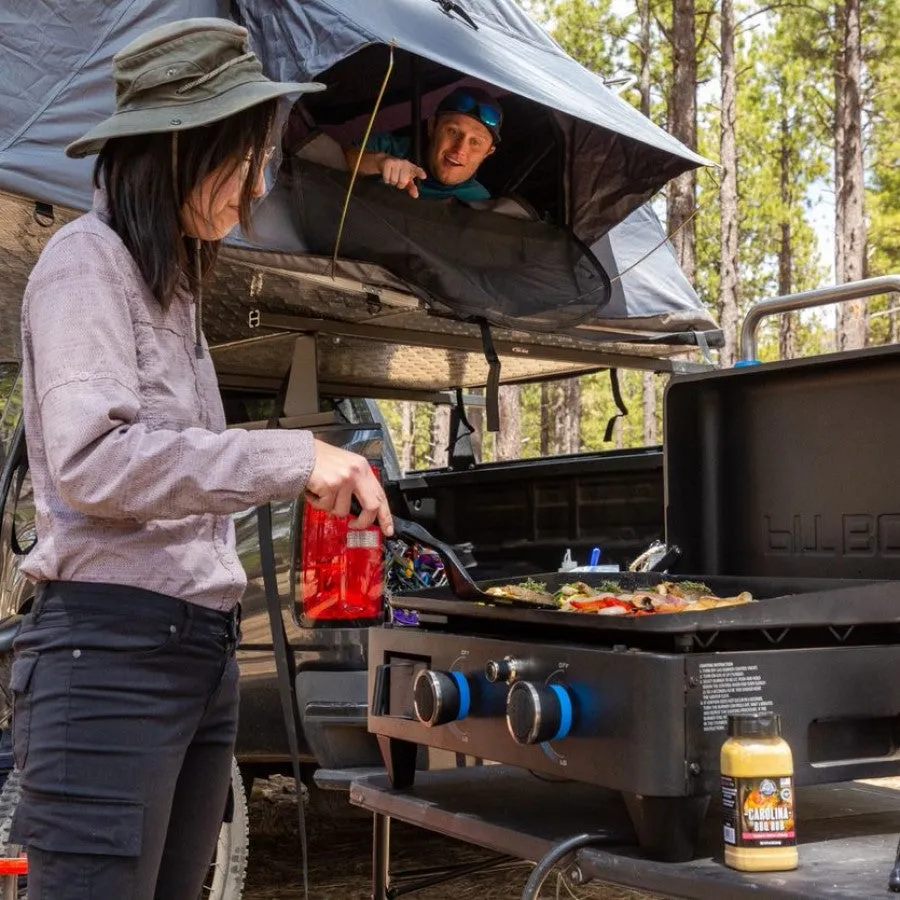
245, 281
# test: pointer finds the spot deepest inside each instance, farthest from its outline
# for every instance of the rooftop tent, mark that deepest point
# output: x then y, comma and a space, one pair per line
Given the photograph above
55, 80
614, 158
55, 83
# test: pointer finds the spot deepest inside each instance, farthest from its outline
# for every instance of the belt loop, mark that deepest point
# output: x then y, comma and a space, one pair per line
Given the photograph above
38, 603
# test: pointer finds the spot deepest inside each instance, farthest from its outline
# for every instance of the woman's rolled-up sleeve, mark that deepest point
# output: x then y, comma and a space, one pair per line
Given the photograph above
103, 460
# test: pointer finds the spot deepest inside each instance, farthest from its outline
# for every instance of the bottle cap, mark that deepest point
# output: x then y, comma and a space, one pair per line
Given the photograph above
768, 725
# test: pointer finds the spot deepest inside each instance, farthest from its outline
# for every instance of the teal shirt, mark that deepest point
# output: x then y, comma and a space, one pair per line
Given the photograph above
469, 191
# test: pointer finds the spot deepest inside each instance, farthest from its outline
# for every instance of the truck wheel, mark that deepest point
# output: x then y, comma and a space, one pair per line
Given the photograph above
225, 880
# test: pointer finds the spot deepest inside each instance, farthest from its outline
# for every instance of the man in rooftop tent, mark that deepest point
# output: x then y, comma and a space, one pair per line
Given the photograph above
463, 132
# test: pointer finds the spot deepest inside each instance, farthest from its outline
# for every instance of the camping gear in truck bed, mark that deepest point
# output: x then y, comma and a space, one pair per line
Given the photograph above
787, 463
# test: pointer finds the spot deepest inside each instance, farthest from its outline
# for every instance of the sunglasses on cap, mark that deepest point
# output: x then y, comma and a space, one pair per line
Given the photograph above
489, 116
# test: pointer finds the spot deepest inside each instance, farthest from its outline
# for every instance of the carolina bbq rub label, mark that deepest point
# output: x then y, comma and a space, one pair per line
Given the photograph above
759, 812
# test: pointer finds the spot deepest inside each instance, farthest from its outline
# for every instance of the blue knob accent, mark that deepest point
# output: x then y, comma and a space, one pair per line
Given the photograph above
566, 712
465, 694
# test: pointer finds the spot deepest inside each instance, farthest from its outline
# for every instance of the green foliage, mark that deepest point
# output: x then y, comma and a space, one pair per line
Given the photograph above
782, 124
884, 154
588, 31
785, 113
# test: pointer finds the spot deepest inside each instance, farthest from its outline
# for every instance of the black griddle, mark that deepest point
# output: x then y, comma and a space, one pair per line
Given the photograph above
781, 603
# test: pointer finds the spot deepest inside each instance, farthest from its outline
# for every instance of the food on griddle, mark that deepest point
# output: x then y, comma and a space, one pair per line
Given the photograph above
520, 592
608, 599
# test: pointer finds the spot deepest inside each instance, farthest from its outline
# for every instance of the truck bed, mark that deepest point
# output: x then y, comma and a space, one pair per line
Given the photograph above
522, 516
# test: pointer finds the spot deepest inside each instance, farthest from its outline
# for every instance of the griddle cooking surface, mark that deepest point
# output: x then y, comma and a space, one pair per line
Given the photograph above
782, 603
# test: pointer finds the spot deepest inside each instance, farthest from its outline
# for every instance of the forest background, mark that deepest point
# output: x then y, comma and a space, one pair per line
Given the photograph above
798, 102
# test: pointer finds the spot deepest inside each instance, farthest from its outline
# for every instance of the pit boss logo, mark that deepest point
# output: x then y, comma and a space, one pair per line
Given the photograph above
759, 812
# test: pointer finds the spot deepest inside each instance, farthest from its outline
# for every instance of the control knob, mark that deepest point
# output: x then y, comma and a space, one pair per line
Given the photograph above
538, 712
441, 697
501, 670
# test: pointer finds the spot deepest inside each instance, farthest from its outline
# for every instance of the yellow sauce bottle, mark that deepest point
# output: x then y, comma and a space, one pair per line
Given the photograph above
758, 796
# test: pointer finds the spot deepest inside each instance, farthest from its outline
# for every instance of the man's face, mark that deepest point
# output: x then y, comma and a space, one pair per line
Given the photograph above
458, 145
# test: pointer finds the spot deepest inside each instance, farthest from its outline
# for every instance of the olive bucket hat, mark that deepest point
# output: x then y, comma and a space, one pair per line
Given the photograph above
183, 75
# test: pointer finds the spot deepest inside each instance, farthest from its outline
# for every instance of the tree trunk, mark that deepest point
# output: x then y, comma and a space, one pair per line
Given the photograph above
850, 226
546, 424
509, 439
570, 439
649, 392
787, 326
440, 436
645, 48
683, 125
649, 379
406, 436
729, 300
557, 414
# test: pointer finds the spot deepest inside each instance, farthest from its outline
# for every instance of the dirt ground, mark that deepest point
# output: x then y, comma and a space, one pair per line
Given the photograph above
340, 859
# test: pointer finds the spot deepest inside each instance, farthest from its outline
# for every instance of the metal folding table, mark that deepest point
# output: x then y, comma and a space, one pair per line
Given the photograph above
848, 835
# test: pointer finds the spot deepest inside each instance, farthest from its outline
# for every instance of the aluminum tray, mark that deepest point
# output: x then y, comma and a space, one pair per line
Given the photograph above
782, 603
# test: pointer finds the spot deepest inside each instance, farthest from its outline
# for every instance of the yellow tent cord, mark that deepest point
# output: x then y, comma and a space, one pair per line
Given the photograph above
365, 141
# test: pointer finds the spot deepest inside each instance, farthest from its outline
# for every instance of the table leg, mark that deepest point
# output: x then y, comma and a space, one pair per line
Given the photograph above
381, 857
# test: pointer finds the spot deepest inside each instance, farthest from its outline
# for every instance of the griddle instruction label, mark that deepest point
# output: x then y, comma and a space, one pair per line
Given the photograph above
731, 689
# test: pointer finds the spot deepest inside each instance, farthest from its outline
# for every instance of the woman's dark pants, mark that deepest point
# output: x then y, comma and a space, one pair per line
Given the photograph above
125, 713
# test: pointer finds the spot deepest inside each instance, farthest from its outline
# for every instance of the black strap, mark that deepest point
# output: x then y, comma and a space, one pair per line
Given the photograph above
461, 453
492, 389
620, 405
284, 666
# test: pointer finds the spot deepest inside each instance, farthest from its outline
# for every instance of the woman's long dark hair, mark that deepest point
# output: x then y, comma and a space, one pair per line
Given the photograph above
147, 184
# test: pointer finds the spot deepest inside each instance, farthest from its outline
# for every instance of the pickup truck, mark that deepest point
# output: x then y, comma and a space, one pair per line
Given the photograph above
520, 517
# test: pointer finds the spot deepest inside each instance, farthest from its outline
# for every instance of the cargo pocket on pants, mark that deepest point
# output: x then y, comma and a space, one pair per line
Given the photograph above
20, 679
88, 827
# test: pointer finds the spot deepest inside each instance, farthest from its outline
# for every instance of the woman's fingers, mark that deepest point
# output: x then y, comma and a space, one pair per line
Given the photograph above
337, 477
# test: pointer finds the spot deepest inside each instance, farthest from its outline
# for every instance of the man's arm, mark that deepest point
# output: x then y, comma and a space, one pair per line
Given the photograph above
400, 173
369, 163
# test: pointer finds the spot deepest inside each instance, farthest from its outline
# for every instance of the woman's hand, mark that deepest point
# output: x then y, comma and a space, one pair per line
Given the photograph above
402, 174
337, 477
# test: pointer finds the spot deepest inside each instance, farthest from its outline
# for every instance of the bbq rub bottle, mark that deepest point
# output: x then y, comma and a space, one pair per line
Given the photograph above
758, 796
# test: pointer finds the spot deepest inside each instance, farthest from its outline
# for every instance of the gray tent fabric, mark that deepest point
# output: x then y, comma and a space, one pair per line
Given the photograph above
622, 157
512, 272
647, 282
55, 83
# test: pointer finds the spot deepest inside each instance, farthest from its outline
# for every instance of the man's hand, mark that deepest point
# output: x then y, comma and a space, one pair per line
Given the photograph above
402, 174
336, 477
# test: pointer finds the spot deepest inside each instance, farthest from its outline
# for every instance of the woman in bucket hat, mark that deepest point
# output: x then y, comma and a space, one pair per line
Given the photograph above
124, 678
